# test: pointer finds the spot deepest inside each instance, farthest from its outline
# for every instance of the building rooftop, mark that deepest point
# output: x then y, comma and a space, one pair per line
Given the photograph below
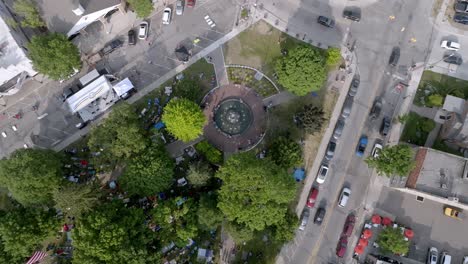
440, 174
454, 104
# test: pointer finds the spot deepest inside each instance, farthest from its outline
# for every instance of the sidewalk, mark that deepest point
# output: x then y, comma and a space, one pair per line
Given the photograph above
217, 59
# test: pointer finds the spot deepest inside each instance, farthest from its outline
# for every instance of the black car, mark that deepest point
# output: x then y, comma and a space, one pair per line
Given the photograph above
385, 127
354, 86
330, 150
328, 22
117, 43
319, 215
461, 7
352, 14
461, 18
394, 57
453, 59
376, 108
131, 37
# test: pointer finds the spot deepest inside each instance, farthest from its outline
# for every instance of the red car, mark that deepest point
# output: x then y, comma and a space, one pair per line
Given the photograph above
190, 3
312, 197
341, 247
349, 226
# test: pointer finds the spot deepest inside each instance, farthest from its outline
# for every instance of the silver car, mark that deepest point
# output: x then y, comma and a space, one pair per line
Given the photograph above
338, 129
347, 106
304, 220
432, 256
179, 10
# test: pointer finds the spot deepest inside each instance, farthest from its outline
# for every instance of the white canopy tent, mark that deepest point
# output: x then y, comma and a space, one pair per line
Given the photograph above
123, 87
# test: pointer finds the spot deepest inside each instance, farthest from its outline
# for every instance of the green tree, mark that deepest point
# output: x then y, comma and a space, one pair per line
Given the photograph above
302, 70
255, 193
392, 240
212, 154
143, 8
333, 56
184, 119
208, 215
119, 136
177, 220
394, 160
239, 232
199, 174
310, 118
54, 55
285, 152
29, 12
149, 172
285, 230
76, 199
435, 100
120, 233
31, 175
22, 230
188, 89
427, 125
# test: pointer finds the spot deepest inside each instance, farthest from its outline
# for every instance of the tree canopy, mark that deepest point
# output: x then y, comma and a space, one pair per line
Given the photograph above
302, 70
333, 56
393, 160
143, 8
212, 154
31, 175
285, 152
113, 233
29, 12
392, 240
23, 229
75, 199
189, 89
54, 55
208, 215
310, 118
184, 119
119, 136
255, 192
149, 172
199, 174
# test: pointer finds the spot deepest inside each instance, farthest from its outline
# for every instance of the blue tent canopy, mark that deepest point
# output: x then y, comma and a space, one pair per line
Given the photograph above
299, 174
159, 125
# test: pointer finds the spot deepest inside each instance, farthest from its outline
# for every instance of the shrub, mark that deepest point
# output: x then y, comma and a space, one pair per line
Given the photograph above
212, 154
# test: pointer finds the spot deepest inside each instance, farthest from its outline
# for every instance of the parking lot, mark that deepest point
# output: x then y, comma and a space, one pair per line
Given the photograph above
143, 63
432, 228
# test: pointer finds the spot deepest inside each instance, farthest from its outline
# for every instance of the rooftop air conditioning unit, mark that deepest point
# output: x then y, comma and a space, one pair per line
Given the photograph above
79, 11
453, 199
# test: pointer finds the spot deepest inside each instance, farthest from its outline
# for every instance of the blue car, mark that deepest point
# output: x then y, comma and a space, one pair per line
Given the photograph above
361, 146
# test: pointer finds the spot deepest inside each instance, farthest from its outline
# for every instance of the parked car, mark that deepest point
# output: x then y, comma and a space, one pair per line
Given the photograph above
338, 129
453, 59
330, 150
131, 37
341, 247
4, 134
166, 18
361, 147
354, 86
385, 127
461, 6
348, 226
344, 197
143, 30
445, 258
328, 22
453, 212
394, 57
312, 197
376, 109
465, 260
450, 45
461, 18
432, 256
322, 174
319, 215
179, 10
347, 107
376, 149
113, 45
304, 219
190, 3
352, 14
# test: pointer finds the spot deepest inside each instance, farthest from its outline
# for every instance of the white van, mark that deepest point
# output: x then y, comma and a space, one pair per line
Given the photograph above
446, 258
344, 197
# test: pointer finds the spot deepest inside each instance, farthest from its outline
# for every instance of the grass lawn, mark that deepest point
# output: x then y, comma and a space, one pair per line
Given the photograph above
417, 129
258, 47
432, 82
247, 77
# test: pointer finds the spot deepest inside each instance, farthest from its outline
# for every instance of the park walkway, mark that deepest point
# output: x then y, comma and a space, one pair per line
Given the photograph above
217, 59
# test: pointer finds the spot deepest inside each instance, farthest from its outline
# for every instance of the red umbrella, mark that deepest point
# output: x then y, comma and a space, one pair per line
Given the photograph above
84, 163
363, 242
367, 233
359, 249
376, 219
409, 233
387, 221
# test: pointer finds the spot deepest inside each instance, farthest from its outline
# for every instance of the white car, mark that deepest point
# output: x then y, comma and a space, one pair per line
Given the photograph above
432, 256
465, 260
179, 10
143, 30
4, 134
166, 18
450, 45
376, 150
322, 174
344, 197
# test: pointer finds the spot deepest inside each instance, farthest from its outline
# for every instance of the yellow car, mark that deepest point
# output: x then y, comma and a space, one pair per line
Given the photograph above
453, 212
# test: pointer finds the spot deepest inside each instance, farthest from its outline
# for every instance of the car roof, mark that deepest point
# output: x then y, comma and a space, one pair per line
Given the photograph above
314, 193
363, 139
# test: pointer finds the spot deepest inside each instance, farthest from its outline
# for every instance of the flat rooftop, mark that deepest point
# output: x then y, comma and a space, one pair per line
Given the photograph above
440, 174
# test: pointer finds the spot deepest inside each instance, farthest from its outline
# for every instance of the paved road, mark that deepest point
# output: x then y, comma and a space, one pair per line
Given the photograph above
374, 38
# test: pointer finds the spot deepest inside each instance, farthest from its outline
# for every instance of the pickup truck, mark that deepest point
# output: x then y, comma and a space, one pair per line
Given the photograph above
453, 212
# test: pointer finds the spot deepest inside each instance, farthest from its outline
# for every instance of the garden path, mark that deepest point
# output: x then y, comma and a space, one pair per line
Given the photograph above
216, 57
